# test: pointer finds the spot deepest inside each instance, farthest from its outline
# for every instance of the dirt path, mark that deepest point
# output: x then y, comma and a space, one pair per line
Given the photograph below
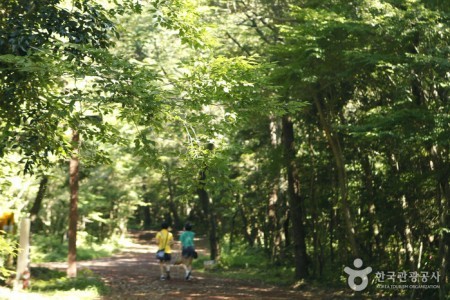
134, 274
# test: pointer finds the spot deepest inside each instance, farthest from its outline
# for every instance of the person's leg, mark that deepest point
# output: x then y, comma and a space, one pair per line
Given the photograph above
167, 270
167, 259
184, 262
188, 268
184, 259
161, 269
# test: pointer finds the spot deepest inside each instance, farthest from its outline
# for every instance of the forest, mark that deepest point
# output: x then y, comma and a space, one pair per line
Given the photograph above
307, 133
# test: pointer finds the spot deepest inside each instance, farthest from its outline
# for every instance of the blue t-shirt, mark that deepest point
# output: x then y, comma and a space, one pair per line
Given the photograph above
187, 239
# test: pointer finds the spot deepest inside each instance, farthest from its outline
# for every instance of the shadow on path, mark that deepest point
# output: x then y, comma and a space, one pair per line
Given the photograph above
134, 274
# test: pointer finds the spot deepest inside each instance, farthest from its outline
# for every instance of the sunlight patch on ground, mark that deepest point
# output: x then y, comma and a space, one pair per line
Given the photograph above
255, 289
7, 294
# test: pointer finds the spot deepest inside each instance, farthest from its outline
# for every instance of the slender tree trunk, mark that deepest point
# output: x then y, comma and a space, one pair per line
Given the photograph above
295, 200
172, 206
254, 230
331, 232
247, 235
73, 208
232, 229
147, 217
317, 243
315, 233
273, 219
144, 210
23, 262
287, 235
408, 236
273, 224
34, 211
208, 213
374, 227
342, 177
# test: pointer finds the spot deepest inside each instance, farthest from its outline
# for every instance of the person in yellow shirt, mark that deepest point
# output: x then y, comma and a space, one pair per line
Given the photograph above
164, 239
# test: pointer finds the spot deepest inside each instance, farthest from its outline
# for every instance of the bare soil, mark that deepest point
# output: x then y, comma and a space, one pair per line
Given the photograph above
134, 274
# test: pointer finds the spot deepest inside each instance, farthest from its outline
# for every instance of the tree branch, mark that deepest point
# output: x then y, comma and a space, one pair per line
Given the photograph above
238, 44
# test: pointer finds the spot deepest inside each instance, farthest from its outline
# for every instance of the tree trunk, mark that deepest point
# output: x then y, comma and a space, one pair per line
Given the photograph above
232, 229
147, 217
342, 176
248, 237
317, 243
172, 206
274, 227
407, 235
374, 227
209, 215
295, 200
144, 210
23, 261
287, 234
73, 208
34, 211
331, 232
273, 218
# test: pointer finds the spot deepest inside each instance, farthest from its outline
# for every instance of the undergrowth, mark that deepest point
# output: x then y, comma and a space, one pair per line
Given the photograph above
50, 282
49, 249
250, 263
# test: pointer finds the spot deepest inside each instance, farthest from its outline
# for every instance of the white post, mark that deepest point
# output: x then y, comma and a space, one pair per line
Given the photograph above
24, 250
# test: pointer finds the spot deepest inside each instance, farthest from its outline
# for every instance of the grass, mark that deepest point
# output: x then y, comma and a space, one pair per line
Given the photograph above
49, 249
279, 276
51, 284
49, 281
246, 263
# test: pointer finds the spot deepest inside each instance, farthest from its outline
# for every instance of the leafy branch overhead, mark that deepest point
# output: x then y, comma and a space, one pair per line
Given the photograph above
56, 67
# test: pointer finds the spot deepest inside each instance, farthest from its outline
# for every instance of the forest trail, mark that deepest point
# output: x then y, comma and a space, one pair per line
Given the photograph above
134, 274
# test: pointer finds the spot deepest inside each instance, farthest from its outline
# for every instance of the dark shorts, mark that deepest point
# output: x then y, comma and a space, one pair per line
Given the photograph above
167, 257
188, 252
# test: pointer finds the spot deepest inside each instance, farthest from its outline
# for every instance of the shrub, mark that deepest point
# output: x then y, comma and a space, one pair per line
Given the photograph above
47, 248
48, 281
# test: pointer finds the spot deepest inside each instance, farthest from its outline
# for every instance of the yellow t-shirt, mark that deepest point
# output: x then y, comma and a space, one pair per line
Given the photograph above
164, 237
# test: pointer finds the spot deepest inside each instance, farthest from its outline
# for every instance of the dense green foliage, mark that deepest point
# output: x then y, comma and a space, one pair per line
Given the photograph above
303, 133
50, 249
7, 250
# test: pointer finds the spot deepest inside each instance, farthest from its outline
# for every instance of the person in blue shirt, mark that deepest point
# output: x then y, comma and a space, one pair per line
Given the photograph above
187, 249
